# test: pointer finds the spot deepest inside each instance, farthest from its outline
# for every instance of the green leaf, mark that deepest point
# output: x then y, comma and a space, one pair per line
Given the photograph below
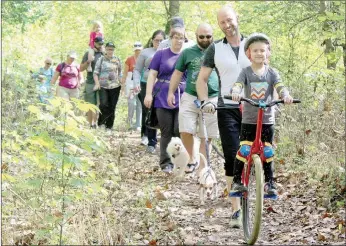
322, 18
7, 177
34, 109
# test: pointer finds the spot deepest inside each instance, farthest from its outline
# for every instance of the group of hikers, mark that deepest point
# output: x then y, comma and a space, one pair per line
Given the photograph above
172, 73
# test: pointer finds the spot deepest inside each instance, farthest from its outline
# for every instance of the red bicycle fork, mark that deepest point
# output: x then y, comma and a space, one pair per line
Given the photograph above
256, 148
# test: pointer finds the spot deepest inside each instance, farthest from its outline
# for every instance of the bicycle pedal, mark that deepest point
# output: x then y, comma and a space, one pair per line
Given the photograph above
273, 197
235, 194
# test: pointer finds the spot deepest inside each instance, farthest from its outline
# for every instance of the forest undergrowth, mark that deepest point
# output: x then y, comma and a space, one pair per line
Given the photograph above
63, 183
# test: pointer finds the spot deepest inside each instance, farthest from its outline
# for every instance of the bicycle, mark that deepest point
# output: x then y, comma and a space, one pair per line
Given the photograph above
252, 176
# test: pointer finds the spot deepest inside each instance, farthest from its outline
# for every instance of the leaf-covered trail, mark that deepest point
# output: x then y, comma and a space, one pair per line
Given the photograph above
153, 209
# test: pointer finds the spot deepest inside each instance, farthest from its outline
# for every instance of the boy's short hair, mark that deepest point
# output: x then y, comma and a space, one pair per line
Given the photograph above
255, 37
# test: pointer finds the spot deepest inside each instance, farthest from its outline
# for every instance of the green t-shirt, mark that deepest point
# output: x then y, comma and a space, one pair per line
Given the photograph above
191, 59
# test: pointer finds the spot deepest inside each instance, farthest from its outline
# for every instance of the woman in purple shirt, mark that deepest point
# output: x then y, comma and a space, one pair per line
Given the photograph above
161, 68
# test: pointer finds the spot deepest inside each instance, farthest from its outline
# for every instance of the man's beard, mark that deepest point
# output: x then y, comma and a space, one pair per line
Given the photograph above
204, 45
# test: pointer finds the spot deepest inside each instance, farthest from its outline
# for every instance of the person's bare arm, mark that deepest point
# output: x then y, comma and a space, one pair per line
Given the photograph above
202, 83
126, 70
55, 77
173, 85
150, 85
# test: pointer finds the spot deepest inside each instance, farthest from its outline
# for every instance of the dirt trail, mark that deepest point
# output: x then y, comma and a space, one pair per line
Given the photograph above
154, 209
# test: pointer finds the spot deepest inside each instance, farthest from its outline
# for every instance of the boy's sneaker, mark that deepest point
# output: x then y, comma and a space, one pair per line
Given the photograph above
270, 188
236, 219
144, 140
238, 187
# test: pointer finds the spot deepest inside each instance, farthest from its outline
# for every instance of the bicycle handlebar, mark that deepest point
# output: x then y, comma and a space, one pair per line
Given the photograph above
255, 104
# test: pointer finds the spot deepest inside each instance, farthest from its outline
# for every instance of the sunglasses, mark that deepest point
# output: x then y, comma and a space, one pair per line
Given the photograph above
48, 63
204, 36
137, 45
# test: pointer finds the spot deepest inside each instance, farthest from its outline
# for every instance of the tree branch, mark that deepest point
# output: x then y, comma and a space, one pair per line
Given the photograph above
167, 10
300, 21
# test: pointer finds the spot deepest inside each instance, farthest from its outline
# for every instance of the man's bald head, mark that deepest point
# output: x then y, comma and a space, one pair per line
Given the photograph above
226, 9
204, 27
204, 35
228, 21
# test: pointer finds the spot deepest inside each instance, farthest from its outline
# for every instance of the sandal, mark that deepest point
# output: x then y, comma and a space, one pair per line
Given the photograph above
192, 167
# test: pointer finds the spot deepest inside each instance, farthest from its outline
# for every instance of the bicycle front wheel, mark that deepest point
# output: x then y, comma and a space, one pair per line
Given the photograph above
252, 202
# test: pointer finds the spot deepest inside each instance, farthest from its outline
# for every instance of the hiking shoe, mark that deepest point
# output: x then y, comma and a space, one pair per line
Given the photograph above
270, 188
144, 140
238, 187
168, 168
236, 219
151, 150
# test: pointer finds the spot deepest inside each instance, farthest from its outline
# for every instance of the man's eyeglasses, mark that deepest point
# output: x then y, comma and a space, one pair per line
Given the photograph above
204, 36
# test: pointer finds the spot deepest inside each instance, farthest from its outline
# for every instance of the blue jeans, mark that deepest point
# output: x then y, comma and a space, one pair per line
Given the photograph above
134, 104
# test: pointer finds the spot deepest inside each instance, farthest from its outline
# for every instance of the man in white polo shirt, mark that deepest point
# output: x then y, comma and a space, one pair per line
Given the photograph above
228, 58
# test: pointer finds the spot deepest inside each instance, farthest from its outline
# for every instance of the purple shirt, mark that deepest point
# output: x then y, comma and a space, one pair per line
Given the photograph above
164, 63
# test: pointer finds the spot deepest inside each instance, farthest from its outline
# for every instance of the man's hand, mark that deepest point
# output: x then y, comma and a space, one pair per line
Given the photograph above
96, 87
236, 97
288, 99
171, 100
208, 107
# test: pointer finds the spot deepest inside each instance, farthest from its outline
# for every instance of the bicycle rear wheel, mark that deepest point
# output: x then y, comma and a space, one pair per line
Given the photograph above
252, 202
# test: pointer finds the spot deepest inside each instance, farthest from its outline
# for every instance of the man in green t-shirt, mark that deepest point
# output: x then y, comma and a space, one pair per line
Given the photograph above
190, 121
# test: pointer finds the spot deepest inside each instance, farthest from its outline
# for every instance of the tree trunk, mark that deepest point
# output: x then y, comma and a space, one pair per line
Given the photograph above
172, 10
330, 48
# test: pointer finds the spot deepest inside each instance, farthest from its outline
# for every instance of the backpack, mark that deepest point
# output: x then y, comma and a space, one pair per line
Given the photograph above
63, 65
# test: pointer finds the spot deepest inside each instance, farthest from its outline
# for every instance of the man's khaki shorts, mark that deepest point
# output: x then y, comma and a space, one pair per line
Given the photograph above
190, 118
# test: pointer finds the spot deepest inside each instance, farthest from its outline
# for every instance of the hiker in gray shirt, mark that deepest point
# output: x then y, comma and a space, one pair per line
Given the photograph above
140, 76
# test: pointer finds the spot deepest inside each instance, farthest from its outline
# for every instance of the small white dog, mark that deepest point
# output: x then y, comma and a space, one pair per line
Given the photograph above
179, 156
207, 182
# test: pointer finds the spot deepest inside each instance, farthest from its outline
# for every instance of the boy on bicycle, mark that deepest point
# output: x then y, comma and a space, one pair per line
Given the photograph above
258, 82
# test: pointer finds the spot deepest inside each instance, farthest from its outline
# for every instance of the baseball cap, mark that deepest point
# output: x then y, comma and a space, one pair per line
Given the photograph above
177, 22
137, 46
98, 40
110, 44
72, 54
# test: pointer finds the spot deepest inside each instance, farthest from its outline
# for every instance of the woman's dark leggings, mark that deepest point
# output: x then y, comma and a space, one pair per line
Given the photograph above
168, 121
248, 133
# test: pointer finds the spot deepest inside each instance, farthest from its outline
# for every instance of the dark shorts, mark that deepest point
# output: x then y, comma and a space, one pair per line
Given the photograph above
90, 95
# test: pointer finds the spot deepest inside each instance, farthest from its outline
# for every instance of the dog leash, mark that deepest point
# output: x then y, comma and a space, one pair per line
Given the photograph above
198, 104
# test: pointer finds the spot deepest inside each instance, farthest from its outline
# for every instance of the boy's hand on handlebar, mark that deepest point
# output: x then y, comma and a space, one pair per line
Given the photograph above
288, 99
208, 107
236, 97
